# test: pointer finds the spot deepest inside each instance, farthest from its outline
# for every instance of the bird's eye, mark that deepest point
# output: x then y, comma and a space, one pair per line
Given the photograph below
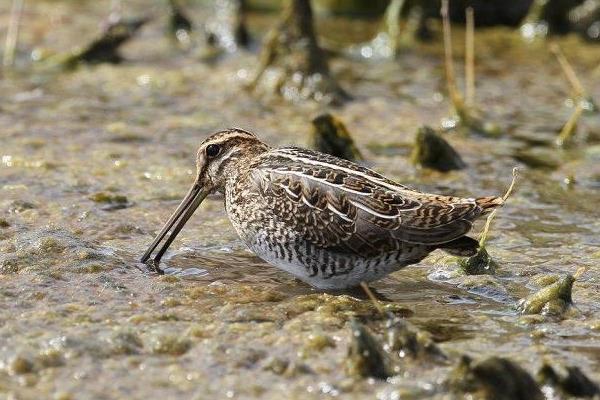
212, 150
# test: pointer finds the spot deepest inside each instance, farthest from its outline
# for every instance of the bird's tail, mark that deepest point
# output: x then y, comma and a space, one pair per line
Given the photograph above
489, 203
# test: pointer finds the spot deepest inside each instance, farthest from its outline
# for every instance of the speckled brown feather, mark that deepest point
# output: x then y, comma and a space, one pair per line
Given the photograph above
333, 206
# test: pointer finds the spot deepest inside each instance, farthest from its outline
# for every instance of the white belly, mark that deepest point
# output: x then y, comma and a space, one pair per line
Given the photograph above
319, 270
273, 241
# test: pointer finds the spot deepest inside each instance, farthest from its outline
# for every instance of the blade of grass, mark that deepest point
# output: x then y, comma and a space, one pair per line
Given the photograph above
470, 58
490, 218
12, 35
568, 130
372, 297
453, 92
568, 70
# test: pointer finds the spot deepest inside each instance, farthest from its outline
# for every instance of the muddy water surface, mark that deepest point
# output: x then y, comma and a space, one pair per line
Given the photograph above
93, 161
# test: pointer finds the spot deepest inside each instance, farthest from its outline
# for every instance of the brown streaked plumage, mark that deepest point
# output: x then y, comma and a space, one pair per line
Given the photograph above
328, 221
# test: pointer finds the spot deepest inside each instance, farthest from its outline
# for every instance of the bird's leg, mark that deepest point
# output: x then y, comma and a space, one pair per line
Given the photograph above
154, 266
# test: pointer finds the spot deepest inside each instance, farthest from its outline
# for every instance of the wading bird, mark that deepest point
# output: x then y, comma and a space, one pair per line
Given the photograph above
327, 221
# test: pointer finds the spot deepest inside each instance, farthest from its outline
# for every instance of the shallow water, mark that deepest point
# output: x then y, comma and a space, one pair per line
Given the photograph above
81, 318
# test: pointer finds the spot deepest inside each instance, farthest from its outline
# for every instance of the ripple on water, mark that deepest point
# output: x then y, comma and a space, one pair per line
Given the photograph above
191, 272
225, 264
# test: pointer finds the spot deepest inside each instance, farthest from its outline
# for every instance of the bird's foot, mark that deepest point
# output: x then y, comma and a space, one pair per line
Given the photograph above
154, 266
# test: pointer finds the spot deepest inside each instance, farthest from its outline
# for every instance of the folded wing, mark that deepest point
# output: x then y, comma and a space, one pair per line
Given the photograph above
337, 204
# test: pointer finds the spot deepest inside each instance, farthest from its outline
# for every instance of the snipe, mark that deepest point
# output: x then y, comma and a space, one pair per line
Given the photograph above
327, 221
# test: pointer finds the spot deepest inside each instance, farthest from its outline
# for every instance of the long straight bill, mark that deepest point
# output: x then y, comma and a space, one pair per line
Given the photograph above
182, 214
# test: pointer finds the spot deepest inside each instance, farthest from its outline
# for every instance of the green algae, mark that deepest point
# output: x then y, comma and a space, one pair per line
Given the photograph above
110, 201
124, 343
544, 279
479, 264
317, 342
9, 265
276, 365
286, 368
169, 344
92, 268
105, 197
199, 331
20, 365
553, 299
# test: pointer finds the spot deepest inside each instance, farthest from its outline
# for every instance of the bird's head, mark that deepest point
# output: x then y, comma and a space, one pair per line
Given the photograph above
221, 156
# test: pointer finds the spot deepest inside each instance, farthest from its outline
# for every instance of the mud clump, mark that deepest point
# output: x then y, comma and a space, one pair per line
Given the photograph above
105, 48
19, 206
330, 135
432, 151
20, 365
494, 378
124, 343
285, 367
404, 340
571, 382
317, 342
479, 264
110, 201
27, 363
366, 357
553, 299
292, 45
179, 26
